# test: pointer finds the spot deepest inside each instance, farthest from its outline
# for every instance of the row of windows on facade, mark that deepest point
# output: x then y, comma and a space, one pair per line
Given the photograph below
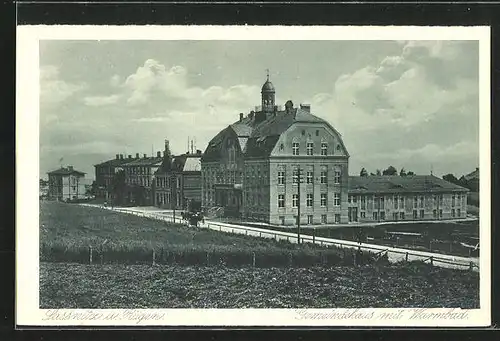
399, 201
377, 203
309, 148
281, 176
146, 182
310, 219
138, 170
376, 216
163, 182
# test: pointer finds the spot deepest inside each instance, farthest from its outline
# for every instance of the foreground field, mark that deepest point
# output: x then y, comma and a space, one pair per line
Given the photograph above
139, 286
73, 233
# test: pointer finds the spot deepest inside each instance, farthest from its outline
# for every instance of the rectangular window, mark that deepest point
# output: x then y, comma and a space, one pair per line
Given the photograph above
281, 177
309, 219
382, 201
434, 214
295, 176
441, 200
309, 200
382, 215
337, 175
440, 214
459, 213
336, 199
362, 215
349, 199
395, 216
363, 203
324, 149
281, 200
295, 200
296, 218
402, 215
421, 214
415, 202
323, 201
453, 212
395, 202
375, 215
355, 199
323, 176
295, 148
282, 220
309, 147
421, 202
377, 203
402, 203
309, 178
414, 214
435, 200
337, 218
453, 200
323, 219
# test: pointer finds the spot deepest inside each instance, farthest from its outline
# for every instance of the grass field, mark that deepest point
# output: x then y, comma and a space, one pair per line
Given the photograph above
138, 286
67, 232
439, 237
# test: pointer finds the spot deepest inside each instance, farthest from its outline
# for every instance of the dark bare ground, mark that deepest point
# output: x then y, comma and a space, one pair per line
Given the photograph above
70, 285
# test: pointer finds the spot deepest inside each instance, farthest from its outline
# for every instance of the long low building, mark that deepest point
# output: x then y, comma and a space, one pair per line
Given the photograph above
394, 198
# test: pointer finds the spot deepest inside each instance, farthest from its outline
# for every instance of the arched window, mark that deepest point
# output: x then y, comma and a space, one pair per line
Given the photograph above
324, 147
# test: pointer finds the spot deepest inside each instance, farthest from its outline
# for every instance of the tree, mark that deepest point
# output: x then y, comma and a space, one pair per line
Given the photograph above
378, 172
390, 171
363, 172
451, 178
402, 172
118, 187
410, 173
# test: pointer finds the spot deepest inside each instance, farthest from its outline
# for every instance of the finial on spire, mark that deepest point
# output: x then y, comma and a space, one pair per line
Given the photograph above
267, 71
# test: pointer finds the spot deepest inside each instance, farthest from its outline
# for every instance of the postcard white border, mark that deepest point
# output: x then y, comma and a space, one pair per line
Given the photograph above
27, 176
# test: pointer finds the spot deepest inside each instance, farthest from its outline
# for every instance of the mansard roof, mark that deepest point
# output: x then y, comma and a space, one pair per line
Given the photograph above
401, 184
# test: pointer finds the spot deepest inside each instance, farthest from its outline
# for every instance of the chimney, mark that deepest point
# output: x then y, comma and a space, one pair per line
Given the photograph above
167, 144
158, 154
252, 113
145, 156
241, 116
117, 156
129, 156
136, 155
121, 156
198, 151
306, 107
70, 168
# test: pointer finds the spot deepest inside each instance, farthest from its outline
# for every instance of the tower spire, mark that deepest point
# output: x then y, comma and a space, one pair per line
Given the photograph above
267, 73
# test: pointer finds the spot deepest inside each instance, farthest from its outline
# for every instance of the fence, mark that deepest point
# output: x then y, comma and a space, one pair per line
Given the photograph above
393, 254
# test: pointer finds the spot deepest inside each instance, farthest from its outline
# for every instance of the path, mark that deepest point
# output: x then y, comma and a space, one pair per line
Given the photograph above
393, 254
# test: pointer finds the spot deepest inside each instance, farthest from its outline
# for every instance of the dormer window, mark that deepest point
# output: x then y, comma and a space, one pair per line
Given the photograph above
324, 148
310, 146
295, 148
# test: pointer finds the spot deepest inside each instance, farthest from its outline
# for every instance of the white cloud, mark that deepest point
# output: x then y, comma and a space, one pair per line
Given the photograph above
53, 89
97, 101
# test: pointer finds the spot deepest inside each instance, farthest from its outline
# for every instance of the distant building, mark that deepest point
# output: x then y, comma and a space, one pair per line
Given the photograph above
178, 180
66, 184
104, 174
396, 198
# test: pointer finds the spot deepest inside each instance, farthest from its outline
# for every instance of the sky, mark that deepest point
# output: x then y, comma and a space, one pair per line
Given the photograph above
409, 104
